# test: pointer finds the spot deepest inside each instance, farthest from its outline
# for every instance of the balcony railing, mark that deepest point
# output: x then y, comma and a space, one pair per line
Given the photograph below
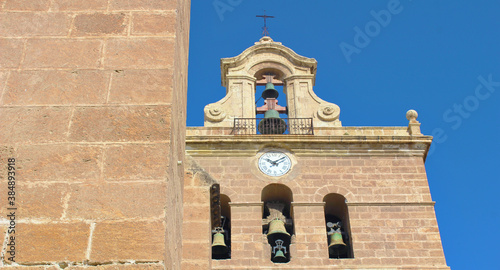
274, 126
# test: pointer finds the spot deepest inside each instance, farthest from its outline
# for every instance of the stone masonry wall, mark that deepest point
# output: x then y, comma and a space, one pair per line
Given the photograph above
392, 219
92, 102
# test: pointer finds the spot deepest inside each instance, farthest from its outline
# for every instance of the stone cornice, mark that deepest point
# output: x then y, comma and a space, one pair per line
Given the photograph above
431, 203
244, 204
309, 145
391, 203
322, 204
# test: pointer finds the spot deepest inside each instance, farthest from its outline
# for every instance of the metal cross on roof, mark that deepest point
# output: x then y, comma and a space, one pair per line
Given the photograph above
265, 32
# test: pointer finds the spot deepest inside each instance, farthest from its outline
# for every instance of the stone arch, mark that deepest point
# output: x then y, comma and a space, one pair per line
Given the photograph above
229, 192
295, 187
281, 70
325, 190
278, 214
277, 191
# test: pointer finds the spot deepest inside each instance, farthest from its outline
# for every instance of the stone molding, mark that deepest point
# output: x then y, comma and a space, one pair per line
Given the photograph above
305, 145
322, 204
267, 47
245, 204
391, 203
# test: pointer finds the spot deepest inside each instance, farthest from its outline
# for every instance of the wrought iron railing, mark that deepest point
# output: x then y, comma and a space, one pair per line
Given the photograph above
287, 126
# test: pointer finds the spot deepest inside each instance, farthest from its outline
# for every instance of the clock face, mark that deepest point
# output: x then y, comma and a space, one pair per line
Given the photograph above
274, 163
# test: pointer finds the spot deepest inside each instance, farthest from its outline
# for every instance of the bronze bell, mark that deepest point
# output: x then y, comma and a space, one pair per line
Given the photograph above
277, 231
218, 244
279, 257
270, 92
337, 245
272, 123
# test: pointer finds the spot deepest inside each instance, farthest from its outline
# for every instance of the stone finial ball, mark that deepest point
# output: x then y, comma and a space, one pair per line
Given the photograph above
411, 115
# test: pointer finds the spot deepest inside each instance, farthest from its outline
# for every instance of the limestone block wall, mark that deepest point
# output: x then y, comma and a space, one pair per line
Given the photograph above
391, 213
92, 102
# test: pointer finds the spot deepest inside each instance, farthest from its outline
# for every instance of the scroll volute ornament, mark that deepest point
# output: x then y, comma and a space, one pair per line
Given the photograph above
328, 112
214, 113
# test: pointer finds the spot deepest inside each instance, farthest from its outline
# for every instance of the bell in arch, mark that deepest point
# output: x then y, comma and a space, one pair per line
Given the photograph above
337, 246
272, 123
218, 244
270, 91
279, 252
277, 231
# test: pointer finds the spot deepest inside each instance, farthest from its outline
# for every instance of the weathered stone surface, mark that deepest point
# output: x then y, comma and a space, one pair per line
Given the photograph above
39, 201
139, 53
106, 201
62, 53
73, 150
131, 266
51, 87
99, 24
128, 123
142, 4
11, 52
195, 212
141, 86
153, 24
26, 267
128, 241
80, 5
193, 251
3, 82
59, 162
26, 5
136, 162
18, 24
34, 124
198, 230
195, 265
65, 241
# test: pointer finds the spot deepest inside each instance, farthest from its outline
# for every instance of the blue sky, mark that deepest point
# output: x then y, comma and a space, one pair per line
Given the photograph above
441, 58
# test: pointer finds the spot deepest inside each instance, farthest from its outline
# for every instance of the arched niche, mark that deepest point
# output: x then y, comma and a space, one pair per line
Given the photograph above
277, 192
336, 213
220, 224
277, 223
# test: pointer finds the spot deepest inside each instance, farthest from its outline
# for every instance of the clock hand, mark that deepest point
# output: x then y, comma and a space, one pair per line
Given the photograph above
275, 163
271, 162
279, 160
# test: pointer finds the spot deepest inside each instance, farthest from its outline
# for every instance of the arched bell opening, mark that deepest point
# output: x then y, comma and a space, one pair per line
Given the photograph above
277, 225
270, 106
221, 224
338, 230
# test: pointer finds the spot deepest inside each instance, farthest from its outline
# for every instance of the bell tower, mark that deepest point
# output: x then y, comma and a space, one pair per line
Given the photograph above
284, 185
269, 62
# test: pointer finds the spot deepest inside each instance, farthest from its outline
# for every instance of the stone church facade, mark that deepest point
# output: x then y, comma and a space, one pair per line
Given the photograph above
106, 175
